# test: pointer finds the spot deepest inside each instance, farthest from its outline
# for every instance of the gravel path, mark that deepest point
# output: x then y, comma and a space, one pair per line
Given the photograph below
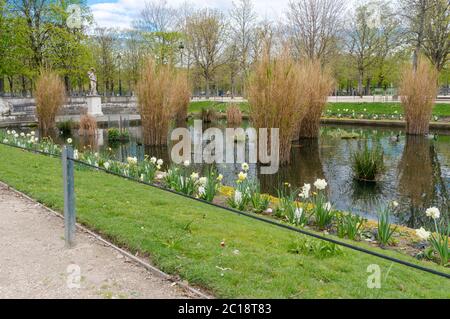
35, 264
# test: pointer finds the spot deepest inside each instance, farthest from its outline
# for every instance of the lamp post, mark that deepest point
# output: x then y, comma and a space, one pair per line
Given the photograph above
181, 48
119, 59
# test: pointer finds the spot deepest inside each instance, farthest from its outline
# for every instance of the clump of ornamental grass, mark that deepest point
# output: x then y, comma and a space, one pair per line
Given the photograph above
234, 115
154, 101
88, 125
208, 115
316, 84
50, 95
275, 99
418, 90
180, 96
368, 162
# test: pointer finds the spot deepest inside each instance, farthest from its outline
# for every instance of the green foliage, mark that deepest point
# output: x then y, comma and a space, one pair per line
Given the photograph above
259, 202
115, 135
322, 210
318, 248
439, 241
209, 184
349, 226
368, 163
385, 230
289, 208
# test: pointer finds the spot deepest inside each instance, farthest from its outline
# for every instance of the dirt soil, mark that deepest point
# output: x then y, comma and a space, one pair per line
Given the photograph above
35, 264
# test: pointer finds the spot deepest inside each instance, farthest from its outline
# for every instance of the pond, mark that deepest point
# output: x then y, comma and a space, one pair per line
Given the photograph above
417, 169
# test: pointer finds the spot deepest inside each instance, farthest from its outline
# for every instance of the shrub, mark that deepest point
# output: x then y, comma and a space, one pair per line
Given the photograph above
418, 90
315, 86
65, 127
50, 96
113, 134
88, 125
368, 163
274, 98
209, 114
234, 115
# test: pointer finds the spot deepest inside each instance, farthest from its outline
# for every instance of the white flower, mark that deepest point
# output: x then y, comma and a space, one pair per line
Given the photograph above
132, 160
106, 165
153, 160
269, 211
220, 177
142, 177
160, 162
186, 163
22, 134
36, 139
298, 214
245, 167
237, 197
69, 141
75, 154
32, 133
194, 176
16, 135
327, 206
8, 132
203, 181
242, 176
433, 212
160, 176
13, 132
305, 191
5, 141
28, 135
423, 234
320, 184
201, 191
395, 204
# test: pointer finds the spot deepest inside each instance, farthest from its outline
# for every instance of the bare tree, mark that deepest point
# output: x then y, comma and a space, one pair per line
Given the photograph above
315, 26
243, 19
262, 39
157, 16
206, 33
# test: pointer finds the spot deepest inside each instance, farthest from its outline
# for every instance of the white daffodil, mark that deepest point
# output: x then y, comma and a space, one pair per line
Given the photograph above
186, 163
245, 167
433, 212
132, 160
142, 177
201, 191
327, 206
5, 141
220, 177
395, 204
194, 176
242, 176
22, 134
153, 160
75, 154
237, 197
32, 133
423, 234
320, 184
298, 214
305, 191
16, 135
106, 165
203, 180
69, 141
8, 132
159, 162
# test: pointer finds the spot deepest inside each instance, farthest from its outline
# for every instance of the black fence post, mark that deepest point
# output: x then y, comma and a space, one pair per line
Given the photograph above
69, 196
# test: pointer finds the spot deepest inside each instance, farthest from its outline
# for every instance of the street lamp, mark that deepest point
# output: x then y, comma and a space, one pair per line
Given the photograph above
119, 59
181, 48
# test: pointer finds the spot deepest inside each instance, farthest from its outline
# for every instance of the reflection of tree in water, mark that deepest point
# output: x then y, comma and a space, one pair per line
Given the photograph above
306, 167
417, 178
88, 142
368, 193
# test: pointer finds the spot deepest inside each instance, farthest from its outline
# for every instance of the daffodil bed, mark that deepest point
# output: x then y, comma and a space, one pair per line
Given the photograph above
226, 254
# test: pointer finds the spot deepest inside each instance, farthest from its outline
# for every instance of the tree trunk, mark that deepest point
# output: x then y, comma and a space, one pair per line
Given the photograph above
11, 84
360, 83
2, 85
207, 88
24, 86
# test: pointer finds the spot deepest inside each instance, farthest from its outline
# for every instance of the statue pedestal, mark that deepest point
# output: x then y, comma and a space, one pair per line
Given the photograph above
94, 105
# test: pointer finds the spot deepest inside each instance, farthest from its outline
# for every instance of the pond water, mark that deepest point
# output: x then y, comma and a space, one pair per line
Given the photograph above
417, 169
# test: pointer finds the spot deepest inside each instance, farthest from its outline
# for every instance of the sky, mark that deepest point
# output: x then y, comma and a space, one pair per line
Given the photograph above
121, 13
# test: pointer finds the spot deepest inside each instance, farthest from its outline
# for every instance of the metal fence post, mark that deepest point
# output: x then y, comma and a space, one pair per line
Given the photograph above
69, 196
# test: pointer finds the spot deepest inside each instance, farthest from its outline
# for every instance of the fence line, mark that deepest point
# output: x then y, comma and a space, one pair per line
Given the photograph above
67, 150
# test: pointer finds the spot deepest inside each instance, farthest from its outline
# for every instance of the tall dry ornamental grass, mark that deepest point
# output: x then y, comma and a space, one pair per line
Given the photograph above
234, 115
315, 86
180, 96
418, 90
154, 102
275, 99
50, 96
88, 125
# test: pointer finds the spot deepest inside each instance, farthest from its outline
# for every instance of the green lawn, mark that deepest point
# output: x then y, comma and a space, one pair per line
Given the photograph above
440, 110
183, 237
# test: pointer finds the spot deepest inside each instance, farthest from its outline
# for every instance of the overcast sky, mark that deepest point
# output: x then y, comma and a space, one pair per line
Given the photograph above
120, 13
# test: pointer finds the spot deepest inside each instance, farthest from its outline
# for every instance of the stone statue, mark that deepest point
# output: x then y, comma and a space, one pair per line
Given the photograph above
93, 82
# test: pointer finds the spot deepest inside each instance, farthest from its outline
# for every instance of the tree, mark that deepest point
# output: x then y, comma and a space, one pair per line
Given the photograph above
436, 44
243, 20
105, 46
315, 26
372, 37
206, 32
